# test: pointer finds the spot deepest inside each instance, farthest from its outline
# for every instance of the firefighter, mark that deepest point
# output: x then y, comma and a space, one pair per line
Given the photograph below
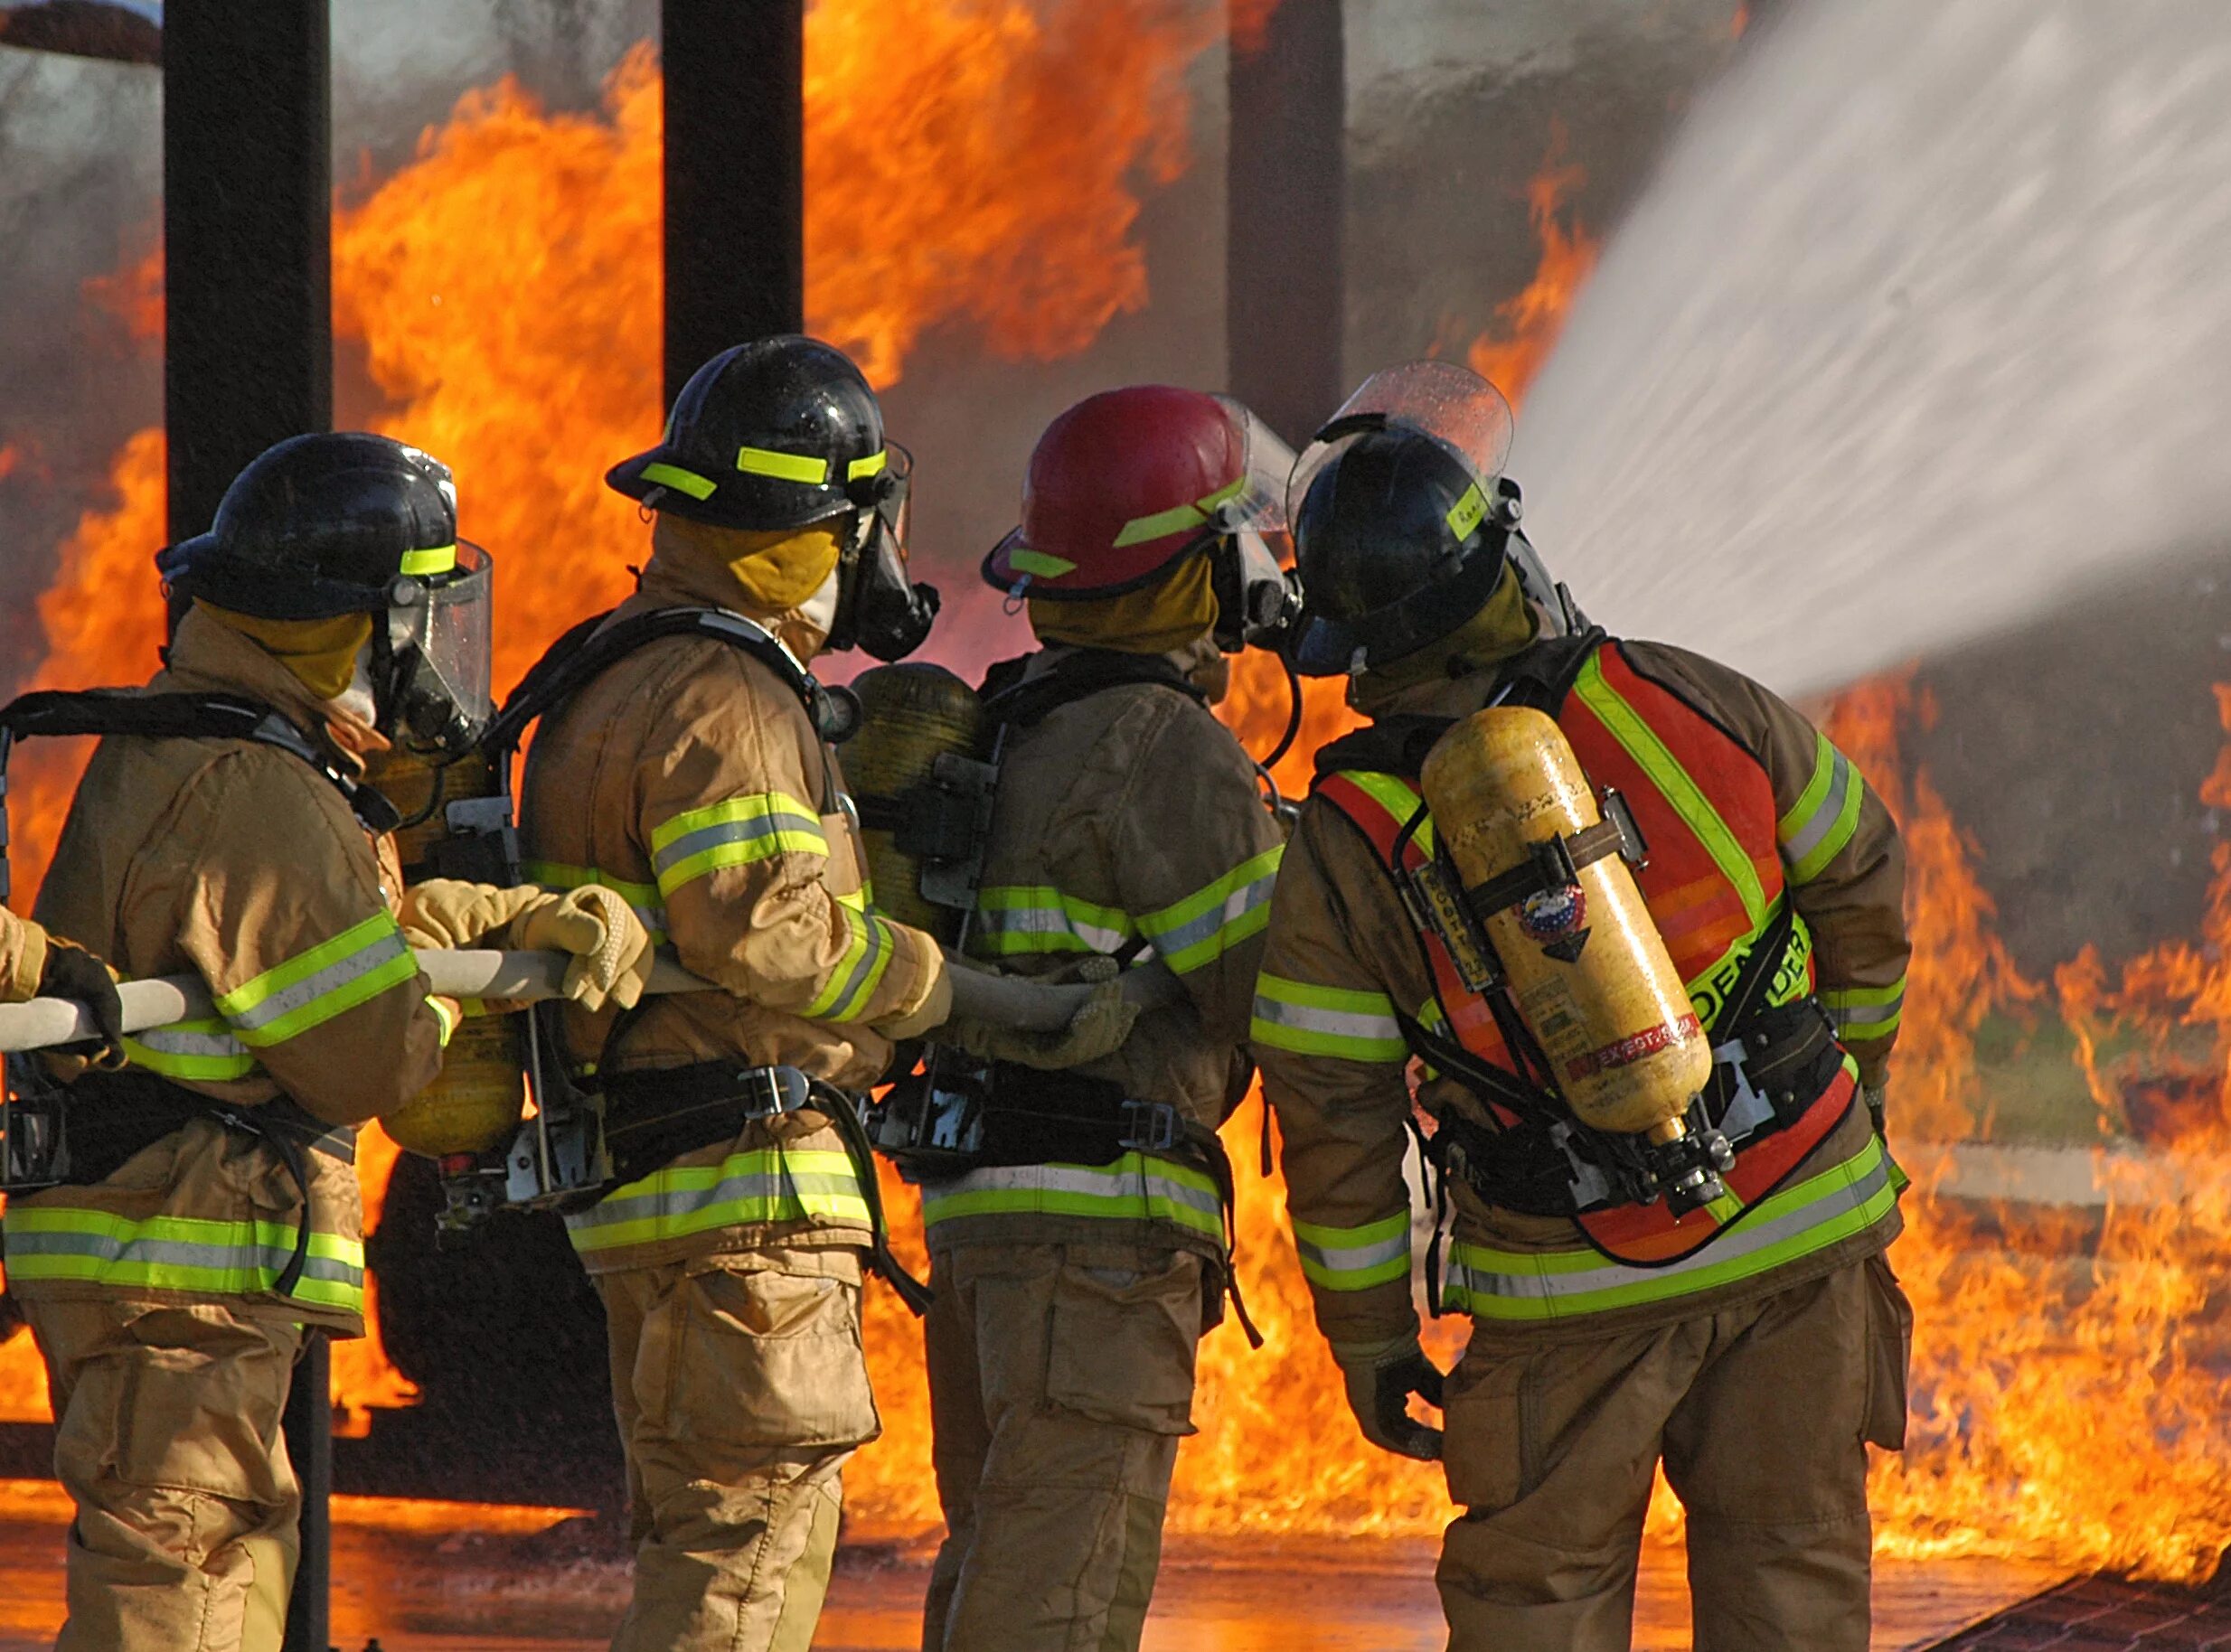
1074, 1273
35, 964
208, 1218
1754, 1345
693, 772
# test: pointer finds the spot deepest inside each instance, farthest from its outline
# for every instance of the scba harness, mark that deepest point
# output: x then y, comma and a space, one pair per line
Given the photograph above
1702, 810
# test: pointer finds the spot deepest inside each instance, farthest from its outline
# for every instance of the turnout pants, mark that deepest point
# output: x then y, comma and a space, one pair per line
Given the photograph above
1060, 1381
1762, 1414
740, 1389
167, 1440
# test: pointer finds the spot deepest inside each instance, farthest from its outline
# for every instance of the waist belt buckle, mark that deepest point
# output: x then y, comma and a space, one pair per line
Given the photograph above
1149, 1127
1747, 1108
767, 1092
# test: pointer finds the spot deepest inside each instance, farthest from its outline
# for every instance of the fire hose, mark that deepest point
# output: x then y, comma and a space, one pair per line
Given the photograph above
528, 977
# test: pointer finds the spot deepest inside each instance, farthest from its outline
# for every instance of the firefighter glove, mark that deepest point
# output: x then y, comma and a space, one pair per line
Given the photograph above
1097, 1027
447, 913
611, 950
73, 973
1382, 1377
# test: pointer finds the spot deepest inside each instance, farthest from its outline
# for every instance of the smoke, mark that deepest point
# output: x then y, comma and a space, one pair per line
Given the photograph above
1920, 332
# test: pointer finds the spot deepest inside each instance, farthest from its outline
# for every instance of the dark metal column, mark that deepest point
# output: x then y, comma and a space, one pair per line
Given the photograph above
247, 362
735, 169
1285, 289
247, 219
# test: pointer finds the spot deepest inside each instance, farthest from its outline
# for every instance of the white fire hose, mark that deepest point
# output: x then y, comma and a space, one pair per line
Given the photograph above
1001, 999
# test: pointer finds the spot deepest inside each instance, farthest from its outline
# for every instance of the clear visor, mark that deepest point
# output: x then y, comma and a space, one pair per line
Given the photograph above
895, 508
451, 632
1261, 504
1448, 404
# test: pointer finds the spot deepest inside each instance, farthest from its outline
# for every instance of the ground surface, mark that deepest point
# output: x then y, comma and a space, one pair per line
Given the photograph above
460, 1590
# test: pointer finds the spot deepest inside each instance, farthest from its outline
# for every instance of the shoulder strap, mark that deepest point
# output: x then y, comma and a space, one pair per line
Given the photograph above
1080, 675
58, 712
585, 653
1543, 675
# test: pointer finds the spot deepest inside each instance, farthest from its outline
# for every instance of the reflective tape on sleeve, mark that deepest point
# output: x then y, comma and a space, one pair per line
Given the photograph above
1207, 923
1355, 1258
1336, 1021
852, 984
1861, 1013
735, 831
758, 1185
1824, 817
312, 988
204, 1049
1136, 1187
1013, 918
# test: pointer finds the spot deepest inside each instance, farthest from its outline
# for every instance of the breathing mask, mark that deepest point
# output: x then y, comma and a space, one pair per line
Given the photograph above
430, 668
878, 609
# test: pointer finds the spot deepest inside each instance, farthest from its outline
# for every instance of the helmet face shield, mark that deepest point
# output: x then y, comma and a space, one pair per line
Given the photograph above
1449, 405
438, 694
880, 608
1258, 600
1261, 504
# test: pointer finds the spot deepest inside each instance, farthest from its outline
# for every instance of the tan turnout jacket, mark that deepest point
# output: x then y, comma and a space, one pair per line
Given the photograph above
1340, 1084
1130, 820
238, 863
690, 778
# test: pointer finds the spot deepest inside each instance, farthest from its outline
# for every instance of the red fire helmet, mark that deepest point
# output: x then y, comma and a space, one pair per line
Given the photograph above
1128, 481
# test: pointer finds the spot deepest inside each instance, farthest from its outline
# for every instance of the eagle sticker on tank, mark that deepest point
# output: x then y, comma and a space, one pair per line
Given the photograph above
1552, 914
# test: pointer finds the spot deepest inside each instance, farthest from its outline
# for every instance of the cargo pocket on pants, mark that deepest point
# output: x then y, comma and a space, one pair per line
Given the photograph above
767, 1358
1122, 1341
198, 1403
1485, 1449
1890, 1347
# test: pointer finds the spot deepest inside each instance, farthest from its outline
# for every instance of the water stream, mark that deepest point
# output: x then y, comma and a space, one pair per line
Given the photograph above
1923, 328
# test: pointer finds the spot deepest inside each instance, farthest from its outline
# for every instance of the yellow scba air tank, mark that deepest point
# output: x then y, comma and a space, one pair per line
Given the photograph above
477, 1101
1586, 968
924, 799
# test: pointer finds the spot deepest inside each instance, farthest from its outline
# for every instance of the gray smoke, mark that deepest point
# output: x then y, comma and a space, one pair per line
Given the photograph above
1921, 331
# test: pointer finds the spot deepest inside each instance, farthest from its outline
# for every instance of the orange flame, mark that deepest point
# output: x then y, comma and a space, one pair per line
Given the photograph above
1527, 325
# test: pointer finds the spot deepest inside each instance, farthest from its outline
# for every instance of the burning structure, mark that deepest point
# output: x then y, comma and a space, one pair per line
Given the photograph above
2068, 1392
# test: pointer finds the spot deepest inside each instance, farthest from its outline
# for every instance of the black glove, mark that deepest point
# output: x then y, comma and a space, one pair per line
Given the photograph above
73, 972
1381, 1381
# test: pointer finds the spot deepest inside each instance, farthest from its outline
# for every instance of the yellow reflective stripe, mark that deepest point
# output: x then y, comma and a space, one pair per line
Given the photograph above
444, 1015
64, 1242
436, 560
1162, 523
1212, 920
1040, 918
1339, 1022
312, 987
1640, 742
852, 984
644, 897
1038, 562
1467, 513
1864, 1012
1396, 796
734, 833
874, 465
1824, 817
782, 467
1136, 1188
759, 1185
681, 481
203, 1049
1835, 1204
1354, 1258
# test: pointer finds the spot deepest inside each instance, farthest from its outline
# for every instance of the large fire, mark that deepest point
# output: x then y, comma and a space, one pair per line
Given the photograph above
2066, 1408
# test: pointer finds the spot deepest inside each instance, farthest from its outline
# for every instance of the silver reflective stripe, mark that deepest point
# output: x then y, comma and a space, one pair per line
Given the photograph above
1334, 1023
1810, 835
759, 1194
110, 1249
1136, 1187
751, 830
382, 949
1356, 1258
1048, 921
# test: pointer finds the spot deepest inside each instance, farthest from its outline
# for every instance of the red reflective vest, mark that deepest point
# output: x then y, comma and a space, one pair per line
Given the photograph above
1713, 884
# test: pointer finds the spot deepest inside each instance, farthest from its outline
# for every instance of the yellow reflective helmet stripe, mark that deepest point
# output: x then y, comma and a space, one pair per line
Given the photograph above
874, 465
1038, 562
1161, 523
436, 560
681, 481
1466, 514
782, 467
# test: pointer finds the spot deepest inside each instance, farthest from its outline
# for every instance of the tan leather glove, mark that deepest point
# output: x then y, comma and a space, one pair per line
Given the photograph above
1096, 1027
450, 915
611, 950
